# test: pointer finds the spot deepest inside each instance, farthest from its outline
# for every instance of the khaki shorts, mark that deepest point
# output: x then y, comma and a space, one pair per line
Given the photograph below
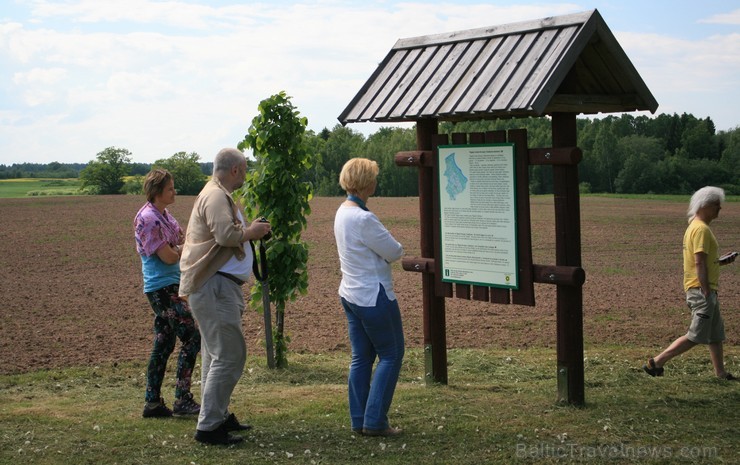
707, 326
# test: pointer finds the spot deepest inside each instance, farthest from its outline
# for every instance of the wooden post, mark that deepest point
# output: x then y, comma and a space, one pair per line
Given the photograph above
568, 253
433, 307
525, 294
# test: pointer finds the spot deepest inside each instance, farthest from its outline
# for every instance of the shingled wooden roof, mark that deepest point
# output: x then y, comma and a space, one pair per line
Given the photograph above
568, 63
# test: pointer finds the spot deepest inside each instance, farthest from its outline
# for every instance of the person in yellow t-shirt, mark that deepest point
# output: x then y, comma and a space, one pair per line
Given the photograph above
701, 276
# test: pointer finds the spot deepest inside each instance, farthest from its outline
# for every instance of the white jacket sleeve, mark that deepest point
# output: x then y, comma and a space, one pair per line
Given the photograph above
378, 239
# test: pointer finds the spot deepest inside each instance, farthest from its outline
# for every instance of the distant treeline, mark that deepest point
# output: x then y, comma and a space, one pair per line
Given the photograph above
666, 154
55, 170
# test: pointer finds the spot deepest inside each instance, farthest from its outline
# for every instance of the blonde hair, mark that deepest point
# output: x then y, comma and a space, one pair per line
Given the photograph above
705, 196
155, 182
357, 174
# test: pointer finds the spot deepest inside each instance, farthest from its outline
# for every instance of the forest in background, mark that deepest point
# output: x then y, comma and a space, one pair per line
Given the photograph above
666, 154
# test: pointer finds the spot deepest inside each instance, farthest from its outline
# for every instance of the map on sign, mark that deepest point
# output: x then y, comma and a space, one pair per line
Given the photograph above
477, 212
456, 180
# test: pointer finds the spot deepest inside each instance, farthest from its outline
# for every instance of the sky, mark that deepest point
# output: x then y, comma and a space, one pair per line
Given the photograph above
161, 77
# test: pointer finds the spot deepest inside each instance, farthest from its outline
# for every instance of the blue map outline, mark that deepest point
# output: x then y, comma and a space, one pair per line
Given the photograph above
456, 180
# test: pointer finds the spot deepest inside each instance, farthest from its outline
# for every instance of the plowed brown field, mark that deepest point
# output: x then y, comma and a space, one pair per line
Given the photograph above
71, 285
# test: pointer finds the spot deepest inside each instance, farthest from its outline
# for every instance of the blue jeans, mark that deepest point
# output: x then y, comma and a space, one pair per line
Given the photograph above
373, 331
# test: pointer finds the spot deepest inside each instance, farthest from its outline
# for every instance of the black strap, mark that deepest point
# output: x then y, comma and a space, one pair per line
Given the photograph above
259, 270
231, 277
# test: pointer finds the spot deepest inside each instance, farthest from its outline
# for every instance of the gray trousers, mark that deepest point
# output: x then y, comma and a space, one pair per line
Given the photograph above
218, 308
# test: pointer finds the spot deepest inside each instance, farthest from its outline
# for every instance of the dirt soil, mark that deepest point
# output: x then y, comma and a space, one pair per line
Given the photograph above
72, 290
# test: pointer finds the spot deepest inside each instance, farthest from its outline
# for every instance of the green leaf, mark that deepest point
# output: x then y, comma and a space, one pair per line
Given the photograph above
276, 189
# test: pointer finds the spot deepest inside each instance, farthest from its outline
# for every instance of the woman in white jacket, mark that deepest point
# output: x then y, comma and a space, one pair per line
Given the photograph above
366, 249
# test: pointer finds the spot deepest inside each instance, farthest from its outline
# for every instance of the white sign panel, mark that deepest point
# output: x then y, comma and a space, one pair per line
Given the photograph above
477, 200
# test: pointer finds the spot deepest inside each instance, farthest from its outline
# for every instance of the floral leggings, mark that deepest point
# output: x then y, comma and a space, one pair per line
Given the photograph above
172, 320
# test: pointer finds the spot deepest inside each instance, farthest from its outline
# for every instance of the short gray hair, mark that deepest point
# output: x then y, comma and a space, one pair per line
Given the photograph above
703, 197
226, 159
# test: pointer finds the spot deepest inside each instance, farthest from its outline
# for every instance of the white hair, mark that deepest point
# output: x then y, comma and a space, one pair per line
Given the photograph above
705, 196
227, 159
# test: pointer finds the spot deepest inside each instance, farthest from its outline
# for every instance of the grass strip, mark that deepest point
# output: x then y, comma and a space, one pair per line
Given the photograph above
498, 408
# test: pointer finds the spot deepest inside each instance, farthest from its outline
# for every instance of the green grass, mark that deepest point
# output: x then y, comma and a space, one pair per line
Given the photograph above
498, 408
615, 270
31, 187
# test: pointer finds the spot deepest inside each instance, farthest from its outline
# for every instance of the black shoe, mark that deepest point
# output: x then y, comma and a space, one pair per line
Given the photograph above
156, 410
388, 432
232, 424
652, 369
186, 405
219, 436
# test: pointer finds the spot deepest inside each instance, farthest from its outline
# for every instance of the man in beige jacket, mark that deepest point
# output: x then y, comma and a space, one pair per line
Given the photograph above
214, 266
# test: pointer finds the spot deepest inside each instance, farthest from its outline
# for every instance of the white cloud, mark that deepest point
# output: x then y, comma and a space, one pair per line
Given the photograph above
169, 13
39, 84
139, 86
731, 18
40, 76
162, 77
700, 77
676, 65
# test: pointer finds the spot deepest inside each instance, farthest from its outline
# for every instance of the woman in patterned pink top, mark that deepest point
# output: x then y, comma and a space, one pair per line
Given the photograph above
158, 241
